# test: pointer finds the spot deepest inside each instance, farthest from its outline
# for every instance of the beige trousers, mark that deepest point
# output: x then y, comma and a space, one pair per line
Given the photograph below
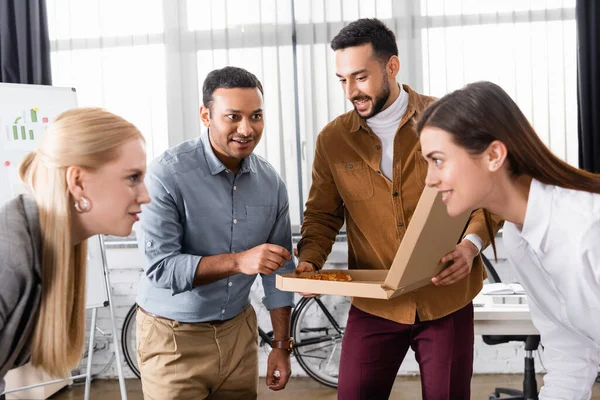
198, 360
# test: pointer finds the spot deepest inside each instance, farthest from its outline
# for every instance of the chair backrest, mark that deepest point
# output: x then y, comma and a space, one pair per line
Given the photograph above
493, 276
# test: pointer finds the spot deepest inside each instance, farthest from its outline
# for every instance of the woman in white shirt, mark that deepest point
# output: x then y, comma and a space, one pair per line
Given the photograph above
483, 153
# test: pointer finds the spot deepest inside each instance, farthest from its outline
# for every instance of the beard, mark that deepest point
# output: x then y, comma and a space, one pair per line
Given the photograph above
380, 99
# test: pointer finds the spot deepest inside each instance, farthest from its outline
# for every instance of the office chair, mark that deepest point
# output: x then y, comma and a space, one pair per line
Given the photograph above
532, 342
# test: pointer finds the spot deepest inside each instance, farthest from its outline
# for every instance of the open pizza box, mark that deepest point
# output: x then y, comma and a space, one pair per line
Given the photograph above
431, 234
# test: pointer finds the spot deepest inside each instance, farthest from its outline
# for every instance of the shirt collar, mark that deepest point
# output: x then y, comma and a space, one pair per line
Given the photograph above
215, 165
537, 214
248, 164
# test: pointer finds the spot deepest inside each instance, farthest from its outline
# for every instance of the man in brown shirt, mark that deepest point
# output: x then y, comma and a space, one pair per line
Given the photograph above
369, 172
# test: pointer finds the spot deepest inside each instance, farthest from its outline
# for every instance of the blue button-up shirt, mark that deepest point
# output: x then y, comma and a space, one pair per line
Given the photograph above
199, 208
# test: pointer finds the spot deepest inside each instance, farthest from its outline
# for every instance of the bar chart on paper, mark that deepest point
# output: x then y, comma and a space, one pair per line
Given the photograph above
27, 126
25, 113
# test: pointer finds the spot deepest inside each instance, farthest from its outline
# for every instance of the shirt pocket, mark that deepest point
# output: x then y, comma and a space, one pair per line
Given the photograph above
260, 221
354, 180
420, 169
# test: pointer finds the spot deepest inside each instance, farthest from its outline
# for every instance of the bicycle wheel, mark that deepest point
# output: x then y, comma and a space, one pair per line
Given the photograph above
318, 326
128, 342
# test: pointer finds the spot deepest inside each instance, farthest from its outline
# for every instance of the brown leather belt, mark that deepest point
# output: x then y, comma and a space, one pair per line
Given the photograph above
215, 322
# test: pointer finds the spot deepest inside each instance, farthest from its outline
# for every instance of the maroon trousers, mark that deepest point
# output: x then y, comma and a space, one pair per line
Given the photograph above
373, 349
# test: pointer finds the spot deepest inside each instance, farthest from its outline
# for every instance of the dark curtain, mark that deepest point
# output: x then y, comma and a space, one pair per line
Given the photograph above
24, 42
588, 83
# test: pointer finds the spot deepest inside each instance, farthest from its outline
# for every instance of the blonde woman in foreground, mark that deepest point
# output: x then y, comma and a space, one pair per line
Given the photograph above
86, 178
483, 153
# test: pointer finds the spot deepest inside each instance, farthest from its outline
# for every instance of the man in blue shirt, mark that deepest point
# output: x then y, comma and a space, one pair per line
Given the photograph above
218, 217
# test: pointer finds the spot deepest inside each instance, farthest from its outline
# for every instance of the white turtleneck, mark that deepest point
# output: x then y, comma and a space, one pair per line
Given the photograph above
384, 125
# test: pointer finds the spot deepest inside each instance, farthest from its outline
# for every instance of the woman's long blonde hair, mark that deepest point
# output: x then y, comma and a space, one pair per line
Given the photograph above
85, 137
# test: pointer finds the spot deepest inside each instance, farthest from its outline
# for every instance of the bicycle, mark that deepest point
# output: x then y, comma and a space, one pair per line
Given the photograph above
317, 326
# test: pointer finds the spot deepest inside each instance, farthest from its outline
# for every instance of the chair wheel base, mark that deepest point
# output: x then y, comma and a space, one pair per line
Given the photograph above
509, 394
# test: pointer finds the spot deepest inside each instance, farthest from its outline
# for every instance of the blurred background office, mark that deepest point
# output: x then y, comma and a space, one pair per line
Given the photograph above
146, 60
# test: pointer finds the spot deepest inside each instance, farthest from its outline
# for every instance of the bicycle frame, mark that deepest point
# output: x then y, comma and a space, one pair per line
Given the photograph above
326, 312
267, 337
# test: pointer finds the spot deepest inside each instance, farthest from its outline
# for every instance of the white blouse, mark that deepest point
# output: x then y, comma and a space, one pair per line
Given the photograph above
556, 255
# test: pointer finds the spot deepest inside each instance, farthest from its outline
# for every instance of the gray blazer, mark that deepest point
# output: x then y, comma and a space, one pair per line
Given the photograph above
20, 280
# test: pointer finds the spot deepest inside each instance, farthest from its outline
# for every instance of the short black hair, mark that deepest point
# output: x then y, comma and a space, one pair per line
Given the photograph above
367, 30
228, 78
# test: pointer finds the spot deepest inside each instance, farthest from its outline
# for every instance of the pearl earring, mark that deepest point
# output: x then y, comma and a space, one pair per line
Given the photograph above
82, 205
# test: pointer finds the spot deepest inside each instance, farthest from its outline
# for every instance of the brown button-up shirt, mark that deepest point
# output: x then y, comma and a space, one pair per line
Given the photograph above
348, 185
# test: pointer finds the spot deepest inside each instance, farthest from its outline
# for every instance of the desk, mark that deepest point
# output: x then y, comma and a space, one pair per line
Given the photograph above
501, 319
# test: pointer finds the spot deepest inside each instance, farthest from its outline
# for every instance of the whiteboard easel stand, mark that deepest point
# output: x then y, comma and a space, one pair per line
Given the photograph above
88, 372
114, 329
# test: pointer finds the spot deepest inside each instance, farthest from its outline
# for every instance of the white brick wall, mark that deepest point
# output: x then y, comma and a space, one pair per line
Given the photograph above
125, 269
